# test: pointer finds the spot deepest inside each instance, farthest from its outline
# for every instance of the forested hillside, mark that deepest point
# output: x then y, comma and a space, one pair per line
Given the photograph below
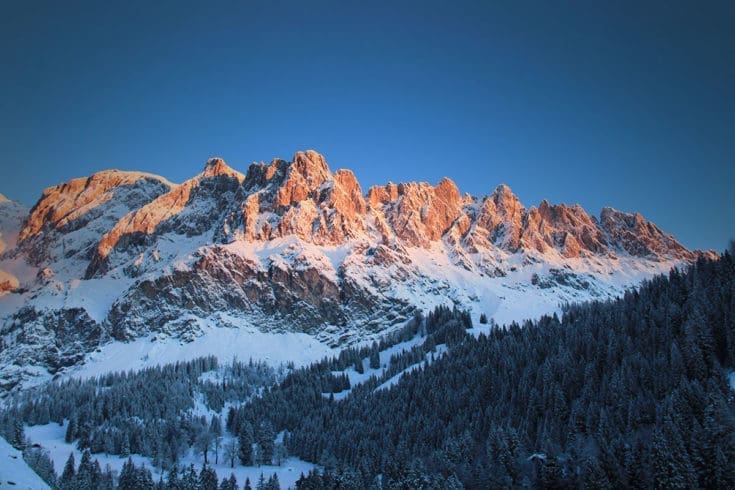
626, 393
632, 392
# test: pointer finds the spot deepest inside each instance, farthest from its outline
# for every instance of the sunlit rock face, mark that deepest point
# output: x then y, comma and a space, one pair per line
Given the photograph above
291, 246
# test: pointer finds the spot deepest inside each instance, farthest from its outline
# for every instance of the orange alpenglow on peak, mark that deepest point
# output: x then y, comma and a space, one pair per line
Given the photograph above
303, 198
216, 167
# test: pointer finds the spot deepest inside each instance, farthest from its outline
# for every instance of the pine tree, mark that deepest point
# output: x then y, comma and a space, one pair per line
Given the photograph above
71, 430
215, 429
67, 479
107, 480
274, 484
189, 479
128, 476
229, 483
261, 483
144, 479
266, 445
172, 482
245, 444
19, 438
208, 479
594, 476
40, 461
125, 446
551, 473
666, 469
374, 356
85, 474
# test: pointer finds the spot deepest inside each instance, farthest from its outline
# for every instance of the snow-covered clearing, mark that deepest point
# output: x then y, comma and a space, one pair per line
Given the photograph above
225, 343
51, 438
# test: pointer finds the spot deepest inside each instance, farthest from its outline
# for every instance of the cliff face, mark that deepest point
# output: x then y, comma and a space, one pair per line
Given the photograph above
291, 246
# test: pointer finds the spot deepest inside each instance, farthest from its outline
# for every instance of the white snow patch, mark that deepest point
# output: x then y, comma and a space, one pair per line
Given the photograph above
14, 472
226, 343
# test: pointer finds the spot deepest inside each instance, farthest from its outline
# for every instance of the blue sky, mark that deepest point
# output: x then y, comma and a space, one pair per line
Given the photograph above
630, 105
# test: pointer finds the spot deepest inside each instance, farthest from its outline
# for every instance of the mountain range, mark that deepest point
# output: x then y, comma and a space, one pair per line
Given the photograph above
288, 248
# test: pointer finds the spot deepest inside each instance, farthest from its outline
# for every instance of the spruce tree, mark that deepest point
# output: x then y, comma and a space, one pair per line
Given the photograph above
71, 430
208, 479
245, 444
374, 357
85, 478
128, 479
67, 479
266, 444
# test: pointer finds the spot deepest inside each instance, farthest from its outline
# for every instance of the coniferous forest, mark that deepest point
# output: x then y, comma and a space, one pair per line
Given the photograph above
631, 393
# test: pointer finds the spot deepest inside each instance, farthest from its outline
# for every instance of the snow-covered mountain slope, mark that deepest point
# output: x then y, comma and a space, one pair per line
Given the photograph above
11, 222
291, 247
15, 472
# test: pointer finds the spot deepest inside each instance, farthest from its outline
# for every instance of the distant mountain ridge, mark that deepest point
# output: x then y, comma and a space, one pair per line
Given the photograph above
291, 246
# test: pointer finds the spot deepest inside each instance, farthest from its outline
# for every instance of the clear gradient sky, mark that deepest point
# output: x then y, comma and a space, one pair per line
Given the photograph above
626, 104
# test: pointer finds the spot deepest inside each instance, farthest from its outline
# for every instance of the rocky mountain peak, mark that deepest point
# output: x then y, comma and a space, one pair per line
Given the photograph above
382, 194
63, 204
260, 175
310, 164
3, 199
502, 189
307, 171
347, 193
568, 229
503, 196
501, 218
216, 167
188, 209
416, 212
293, 246
447, 190
632, 233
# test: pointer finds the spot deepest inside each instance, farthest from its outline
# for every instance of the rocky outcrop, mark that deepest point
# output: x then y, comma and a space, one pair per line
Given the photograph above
499, 222
631, 233
50, 338
301, 198
294, 291
568, 229
417, 213
71, 205
70, 219
8, 282
189, 209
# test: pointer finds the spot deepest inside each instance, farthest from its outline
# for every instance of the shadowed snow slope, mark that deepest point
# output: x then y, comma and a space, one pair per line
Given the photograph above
14, 472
